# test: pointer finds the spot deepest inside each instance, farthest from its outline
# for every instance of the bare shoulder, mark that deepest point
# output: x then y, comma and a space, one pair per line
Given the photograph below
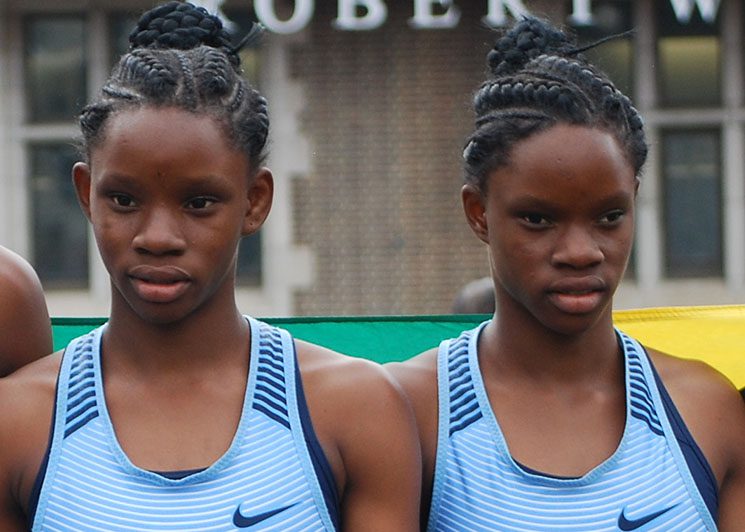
32, 382
418, 377
695, 382
710, 406
27, 397
25, 328
346, 378
423, 365
18, 280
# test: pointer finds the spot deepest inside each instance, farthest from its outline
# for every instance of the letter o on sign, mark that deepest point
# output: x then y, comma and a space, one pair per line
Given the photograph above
267, 15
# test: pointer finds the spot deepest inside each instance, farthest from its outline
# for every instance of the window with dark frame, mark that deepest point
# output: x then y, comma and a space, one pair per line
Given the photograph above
691, 174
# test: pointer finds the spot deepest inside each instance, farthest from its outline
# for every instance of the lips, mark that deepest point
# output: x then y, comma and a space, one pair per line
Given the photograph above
577, 295
159, 284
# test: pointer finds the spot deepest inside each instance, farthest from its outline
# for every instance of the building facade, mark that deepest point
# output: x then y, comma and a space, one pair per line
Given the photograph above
370, 104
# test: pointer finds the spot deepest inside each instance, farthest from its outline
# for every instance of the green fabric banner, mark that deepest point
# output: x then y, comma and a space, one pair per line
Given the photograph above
382, 339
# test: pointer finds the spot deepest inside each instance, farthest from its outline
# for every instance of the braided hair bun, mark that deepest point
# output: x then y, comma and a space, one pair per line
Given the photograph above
182, 26
539, 78
528, 39
181, 56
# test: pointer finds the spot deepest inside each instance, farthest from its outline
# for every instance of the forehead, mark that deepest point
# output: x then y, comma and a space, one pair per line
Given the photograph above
565, 163
167, 137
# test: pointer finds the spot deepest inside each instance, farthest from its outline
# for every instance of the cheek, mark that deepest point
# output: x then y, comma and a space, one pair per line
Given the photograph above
518, 250
617, 246
515, 261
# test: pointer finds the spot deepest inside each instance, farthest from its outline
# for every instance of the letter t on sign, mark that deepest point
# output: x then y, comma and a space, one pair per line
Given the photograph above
581, 13
496, 16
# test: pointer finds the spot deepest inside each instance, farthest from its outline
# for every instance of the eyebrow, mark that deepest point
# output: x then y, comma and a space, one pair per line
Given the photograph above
194, 181
529, 201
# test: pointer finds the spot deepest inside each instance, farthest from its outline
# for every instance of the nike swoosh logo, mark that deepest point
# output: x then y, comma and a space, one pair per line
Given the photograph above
242, 521
626, 524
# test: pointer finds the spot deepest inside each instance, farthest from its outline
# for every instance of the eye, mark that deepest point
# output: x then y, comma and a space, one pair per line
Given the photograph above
200, 203
122, 200
534, 219
612, 217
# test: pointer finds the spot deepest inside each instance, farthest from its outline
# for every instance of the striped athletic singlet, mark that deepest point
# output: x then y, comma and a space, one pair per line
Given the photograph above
274, 476
657, 479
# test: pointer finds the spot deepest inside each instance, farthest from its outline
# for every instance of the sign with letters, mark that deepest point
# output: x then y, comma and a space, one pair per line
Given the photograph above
361, 15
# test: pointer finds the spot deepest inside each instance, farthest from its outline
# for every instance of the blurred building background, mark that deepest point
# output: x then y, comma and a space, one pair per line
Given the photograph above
367, 131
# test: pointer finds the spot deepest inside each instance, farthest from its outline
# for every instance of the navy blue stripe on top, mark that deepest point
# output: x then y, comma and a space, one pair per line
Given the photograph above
697, 463
317, 456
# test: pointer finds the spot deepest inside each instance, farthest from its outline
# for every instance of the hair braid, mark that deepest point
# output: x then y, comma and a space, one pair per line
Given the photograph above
181, 56
214, 73
145, 72
189, 88
539, 79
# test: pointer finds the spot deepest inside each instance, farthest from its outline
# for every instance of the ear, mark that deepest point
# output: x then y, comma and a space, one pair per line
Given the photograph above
475, 209
81, 179
259, 201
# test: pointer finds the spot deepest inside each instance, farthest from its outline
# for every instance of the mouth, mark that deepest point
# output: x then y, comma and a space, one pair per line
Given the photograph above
162, 284
578, 295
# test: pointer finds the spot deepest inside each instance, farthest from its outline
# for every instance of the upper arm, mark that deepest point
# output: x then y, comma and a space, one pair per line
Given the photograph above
24, 429
714, 413
25, 328
732, 489
380, 451
11, 515
418, 378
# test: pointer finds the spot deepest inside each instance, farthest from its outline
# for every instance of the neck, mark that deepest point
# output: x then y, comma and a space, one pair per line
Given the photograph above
208, 337
521, 347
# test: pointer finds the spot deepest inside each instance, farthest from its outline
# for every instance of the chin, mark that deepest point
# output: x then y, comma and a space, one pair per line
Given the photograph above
574, 324
159, 314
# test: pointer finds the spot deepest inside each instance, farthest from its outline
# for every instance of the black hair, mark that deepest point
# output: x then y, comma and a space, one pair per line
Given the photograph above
539, 78
181, 56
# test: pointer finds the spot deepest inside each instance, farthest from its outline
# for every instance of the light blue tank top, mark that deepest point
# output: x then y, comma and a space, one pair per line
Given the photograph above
657, 479
273, 476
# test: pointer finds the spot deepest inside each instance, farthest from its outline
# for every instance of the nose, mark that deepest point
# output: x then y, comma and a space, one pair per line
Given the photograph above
577, 247
160, 233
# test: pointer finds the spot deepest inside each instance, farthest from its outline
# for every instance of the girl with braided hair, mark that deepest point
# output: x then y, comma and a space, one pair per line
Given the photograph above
546, 417
181, 413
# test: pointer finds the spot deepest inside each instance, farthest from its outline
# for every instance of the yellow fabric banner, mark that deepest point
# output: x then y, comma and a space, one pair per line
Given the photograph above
714, 334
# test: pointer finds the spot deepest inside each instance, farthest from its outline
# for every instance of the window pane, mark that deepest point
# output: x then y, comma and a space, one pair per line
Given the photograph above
689, 59
693, 199
690, 71
55, 68
249, 260
60, 236
615, 57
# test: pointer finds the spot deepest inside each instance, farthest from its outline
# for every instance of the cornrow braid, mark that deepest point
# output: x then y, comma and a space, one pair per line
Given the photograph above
615, 108
190, 91
144, 72
180, 56
524, 91
539, 79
